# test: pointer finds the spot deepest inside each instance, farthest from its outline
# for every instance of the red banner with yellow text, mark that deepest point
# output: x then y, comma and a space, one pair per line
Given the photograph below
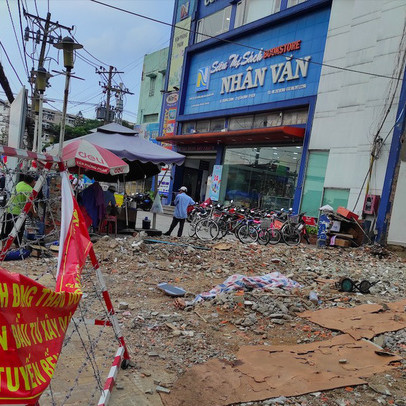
34, 319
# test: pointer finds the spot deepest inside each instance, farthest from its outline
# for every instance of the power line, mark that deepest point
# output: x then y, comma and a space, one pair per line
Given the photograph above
1, 44
15, 35
240, 44
22, 36
84, 49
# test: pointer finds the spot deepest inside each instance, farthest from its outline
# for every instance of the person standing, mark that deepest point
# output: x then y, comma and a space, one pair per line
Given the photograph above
16, 204
110, 200
182, 201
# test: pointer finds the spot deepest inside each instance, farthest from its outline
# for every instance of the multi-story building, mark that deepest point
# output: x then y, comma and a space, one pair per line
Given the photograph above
291, 103
4, 121
151, 91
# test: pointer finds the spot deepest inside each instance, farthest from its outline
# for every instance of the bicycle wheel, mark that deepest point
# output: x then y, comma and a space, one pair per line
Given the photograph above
274, 236
291, 235
192, 229
207, 229
247, 233
223, 228
263, 236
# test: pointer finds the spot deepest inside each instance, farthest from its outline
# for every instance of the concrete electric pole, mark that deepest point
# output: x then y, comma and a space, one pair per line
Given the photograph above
108, 88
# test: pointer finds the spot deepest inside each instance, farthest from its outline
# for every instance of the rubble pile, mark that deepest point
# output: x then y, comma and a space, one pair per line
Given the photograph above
165, 341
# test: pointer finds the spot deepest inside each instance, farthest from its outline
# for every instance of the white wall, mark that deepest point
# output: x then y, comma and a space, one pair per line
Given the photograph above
363, 35
397, 225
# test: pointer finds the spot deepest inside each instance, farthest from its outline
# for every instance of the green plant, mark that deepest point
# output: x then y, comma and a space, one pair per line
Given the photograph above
311, 230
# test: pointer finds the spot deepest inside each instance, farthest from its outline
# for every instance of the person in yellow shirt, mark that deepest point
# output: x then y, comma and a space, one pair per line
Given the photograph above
16, 204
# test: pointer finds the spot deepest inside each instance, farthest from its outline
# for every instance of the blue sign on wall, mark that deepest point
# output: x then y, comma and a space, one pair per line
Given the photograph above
278, 63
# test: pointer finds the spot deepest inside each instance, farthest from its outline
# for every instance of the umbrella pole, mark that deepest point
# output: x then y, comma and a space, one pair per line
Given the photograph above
156, 191
126, 203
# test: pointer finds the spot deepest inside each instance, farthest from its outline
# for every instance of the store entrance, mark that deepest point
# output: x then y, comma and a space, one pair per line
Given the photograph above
195, 174
192, 179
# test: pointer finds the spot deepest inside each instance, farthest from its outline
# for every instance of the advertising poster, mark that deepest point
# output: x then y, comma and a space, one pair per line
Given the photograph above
170, 108
148, 131
216, 182
164, 180
180, 42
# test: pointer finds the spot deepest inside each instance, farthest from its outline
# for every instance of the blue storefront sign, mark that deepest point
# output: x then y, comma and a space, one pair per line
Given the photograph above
276, 64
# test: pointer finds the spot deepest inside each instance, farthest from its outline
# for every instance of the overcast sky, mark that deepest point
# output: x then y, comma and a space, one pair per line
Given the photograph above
116, 38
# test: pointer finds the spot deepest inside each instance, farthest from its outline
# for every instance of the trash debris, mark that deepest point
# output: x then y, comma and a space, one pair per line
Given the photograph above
171, 290
222, 246
346, 284
313, 297
235, 282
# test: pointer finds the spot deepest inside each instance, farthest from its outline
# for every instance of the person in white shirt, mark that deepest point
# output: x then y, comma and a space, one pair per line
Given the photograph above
182, 201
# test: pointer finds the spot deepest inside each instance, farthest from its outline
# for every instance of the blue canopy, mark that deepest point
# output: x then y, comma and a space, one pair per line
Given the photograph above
126, 143
142, 155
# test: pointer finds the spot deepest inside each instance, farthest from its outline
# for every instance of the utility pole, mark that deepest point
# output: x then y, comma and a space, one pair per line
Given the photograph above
108, 88
45, 29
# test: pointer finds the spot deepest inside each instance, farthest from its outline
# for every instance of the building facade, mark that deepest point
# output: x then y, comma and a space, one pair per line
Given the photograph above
291, 103
4, 121
151, 92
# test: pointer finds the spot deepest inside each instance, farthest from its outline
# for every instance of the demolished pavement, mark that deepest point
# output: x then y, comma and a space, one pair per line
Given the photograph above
165, 342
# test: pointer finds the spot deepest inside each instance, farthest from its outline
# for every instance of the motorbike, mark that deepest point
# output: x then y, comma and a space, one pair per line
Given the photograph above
142, 201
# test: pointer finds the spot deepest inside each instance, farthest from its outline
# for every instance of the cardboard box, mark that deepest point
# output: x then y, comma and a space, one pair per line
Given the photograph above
346, 213
342, 243
335, 226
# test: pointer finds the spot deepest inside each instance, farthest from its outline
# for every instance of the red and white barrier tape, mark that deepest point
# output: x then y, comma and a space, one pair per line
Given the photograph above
22, 153
111, 379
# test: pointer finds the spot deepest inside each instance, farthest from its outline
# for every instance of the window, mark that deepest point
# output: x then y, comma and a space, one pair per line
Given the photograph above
203, 126
314, 183
217, 124
150, 118
260, 176
214, 24
152, 82
189, 127
295, 117
292, 3
252, 10
241, 123
336, 197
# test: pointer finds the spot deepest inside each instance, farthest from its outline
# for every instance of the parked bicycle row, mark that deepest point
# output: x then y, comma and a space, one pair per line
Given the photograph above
210, 222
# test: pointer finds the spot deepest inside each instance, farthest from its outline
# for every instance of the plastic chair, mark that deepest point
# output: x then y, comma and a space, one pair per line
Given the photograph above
107, 222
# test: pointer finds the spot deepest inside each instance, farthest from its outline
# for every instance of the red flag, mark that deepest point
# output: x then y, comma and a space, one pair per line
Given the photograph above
74, 244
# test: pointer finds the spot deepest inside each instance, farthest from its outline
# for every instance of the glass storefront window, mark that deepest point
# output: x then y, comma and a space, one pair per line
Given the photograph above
261, 176
240, 123
292, 3
314, 183
217, 125
252, 10
203, 126
336, 197
214, 24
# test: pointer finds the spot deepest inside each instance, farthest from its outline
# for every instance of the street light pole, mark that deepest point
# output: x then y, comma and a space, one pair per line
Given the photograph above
68, 46
64, 109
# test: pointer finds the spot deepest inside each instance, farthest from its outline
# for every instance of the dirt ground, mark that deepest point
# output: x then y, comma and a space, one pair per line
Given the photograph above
165, 342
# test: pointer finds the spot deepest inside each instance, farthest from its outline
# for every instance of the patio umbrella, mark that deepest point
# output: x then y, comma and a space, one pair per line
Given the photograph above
98, 162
